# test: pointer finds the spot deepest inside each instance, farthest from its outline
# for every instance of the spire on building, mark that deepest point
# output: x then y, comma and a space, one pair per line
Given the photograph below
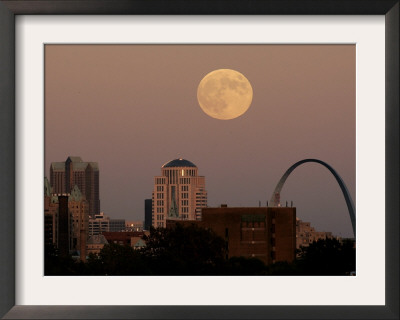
173, 210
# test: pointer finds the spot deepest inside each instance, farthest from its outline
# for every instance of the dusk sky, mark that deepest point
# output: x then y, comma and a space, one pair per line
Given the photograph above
131, 108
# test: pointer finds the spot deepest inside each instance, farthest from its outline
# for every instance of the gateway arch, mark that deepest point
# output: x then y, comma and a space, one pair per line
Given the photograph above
350, 206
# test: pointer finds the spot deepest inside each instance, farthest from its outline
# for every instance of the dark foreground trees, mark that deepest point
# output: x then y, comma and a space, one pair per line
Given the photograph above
184, 251
197, 251
327, 257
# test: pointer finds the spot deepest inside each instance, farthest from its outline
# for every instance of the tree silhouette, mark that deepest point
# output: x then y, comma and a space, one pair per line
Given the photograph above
179, 250
327, 257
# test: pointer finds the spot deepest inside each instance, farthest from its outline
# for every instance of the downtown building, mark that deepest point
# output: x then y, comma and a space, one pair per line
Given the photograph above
65, 175
179, 193
264, 233
99, 223
66, 220
306, 234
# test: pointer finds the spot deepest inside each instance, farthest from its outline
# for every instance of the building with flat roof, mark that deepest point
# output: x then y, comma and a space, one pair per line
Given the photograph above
117, 225
133, 225
98, 224
306, 234
266, 233
178, 193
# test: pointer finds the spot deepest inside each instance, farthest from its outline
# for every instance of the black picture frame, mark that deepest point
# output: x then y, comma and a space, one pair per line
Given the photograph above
8, 10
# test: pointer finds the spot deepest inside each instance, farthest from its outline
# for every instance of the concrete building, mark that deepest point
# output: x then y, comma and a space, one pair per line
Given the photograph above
266, 233
117, 225
98, 224
178, 193
306, 234
65, 175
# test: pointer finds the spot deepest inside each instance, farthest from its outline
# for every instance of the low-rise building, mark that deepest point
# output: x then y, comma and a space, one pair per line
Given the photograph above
134, 226
117, 225
306, 234
99, 223
95, 243
266, 233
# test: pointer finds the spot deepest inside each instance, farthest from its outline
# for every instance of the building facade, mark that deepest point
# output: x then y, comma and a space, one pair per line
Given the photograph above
50, 216
117, 225
96, 243
134, 226
98, 224
306, 234
65, 175
265, 233
79, 210
66, 218
179, 193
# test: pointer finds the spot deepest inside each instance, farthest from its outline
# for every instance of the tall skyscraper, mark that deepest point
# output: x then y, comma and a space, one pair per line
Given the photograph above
65, 175
79, 210
66, 225
179, 193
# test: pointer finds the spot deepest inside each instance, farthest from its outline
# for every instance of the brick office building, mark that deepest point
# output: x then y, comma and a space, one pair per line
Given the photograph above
266, 233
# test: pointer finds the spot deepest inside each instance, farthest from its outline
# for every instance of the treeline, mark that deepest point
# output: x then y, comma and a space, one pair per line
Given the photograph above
197, 251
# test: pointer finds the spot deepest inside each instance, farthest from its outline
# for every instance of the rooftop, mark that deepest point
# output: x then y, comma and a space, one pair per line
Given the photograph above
97, 239
178, 163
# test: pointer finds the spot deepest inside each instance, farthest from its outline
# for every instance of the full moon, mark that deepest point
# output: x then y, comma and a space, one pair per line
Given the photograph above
224, 94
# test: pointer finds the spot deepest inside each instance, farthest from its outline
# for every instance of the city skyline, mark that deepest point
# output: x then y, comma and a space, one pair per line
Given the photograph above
134, 108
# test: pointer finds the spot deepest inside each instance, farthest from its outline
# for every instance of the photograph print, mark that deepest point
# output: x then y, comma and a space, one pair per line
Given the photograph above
200, 160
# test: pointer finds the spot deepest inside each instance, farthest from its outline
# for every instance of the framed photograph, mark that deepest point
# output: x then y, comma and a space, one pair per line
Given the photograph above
319, 83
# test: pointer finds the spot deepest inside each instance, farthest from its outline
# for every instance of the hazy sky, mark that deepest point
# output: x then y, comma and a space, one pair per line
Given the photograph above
131, 108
